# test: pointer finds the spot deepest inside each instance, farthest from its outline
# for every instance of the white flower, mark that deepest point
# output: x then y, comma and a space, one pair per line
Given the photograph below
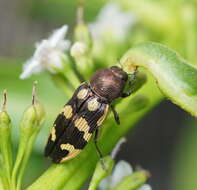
121, 170
112, 20
48, 55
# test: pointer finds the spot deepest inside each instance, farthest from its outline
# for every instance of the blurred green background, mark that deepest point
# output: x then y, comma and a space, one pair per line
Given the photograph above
164, 142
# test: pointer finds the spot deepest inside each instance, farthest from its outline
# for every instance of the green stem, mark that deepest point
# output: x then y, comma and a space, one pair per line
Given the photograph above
61, 82
19, 159
5, 146
29, 148
6, 150
1, 184
3, 180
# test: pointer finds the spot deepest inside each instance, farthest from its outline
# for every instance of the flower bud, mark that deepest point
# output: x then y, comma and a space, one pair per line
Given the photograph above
33, 117
81, 49
30, 126
82, 34
4, 121
133, 181
5, 142
78, 49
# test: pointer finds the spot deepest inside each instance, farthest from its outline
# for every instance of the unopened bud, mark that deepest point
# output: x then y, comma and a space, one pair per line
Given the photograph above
78, 49
133, 181
4, 120
33, 117
30, 126
82, 34
5, 142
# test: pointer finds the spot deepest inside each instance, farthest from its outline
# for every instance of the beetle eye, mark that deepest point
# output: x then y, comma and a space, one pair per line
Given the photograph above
118, 72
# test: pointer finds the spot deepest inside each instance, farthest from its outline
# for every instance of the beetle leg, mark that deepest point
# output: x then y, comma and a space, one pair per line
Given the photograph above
96, 135
115, 113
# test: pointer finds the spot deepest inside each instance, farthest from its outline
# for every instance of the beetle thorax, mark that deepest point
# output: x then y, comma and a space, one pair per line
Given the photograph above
109, 83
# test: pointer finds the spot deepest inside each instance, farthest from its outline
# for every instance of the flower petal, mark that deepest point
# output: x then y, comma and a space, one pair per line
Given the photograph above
105, 183
31, 67
56, 62
58, 36
145, 187
78, 49
63, 45
42, 50
121, 170
49, 54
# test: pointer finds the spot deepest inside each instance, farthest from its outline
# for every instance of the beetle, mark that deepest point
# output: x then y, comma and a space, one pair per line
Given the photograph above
84, 113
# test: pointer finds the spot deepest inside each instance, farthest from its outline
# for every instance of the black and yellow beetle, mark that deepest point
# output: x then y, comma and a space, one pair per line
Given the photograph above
84, 113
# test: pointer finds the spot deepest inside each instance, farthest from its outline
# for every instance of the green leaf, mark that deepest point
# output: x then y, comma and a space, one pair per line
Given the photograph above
176, 78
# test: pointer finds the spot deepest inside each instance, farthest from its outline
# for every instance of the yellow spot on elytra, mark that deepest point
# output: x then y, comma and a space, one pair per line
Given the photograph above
82, 93
103, 117
67, 146
87, 136
93, 104
53, 135
72, 151
82, 124
67, 111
